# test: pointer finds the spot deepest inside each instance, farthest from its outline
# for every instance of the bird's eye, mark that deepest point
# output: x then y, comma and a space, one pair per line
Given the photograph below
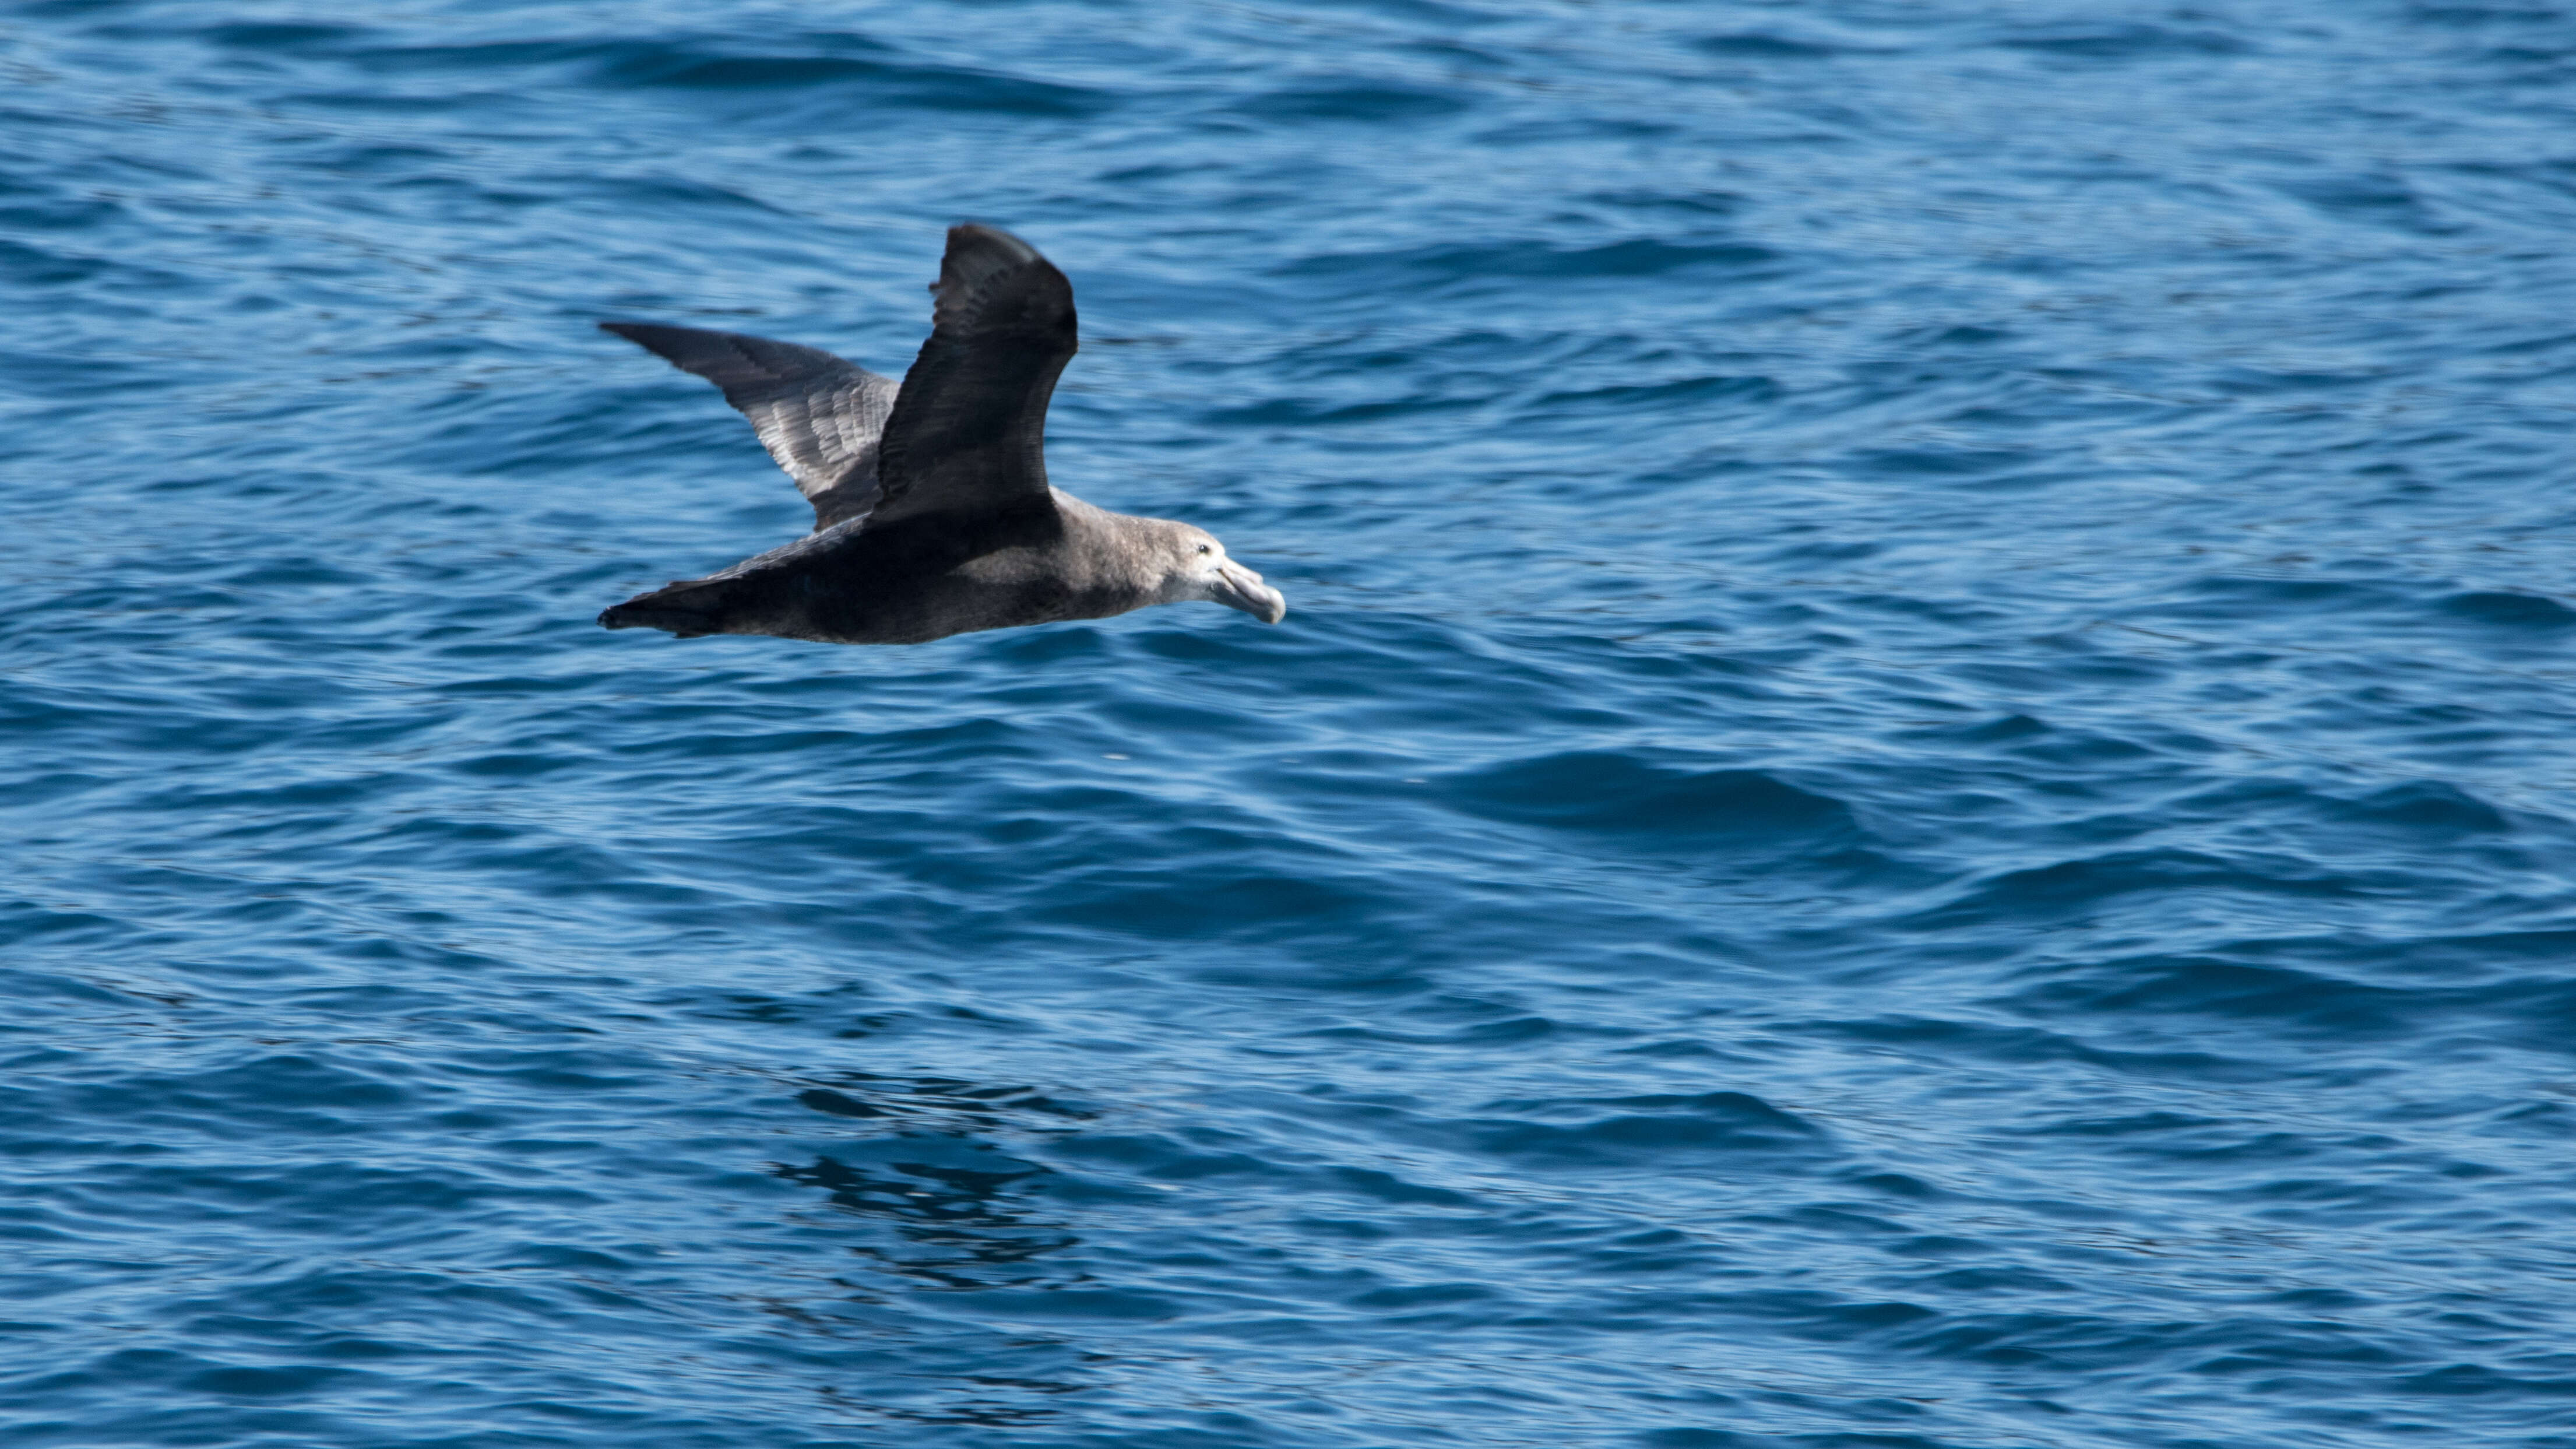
1202, 548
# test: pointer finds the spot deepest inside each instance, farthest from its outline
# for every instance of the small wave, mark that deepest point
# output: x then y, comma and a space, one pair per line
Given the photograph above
847, 65
1630, 397
1636, 257
2432, 809
1377, 104
2504, 609
875, 78
2206, 986
1644, 1130
1764, 45
1618, 794
2124, 42
27, 265
283, 36
2073, 887
1942, 462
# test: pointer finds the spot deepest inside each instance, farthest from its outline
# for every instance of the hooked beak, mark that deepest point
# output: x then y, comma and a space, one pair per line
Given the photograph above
1238, 587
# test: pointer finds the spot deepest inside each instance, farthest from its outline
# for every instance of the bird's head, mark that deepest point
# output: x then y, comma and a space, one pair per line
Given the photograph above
1195, 566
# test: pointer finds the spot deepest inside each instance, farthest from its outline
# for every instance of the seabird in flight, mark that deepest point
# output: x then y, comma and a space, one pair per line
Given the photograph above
932, 512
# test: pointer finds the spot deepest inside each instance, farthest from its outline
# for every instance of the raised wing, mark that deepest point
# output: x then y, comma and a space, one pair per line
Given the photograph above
968, 433
819, 416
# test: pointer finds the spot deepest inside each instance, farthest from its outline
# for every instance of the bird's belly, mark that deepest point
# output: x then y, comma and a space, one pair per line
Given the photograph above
984, 593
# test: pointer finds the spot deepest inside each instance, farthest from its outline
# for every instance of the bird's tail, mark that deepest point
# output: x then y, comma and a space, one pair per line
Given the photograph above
686, 607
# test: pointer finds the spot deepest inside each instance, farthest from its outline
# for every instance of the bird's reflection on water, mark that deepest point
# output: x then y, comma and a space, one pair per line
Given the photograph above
957, 1234
941, 1210
945, 1191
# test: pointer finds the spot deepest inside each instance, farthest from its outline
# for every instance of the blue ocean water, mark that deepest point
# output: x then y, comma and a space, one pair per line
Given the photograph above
1920, 789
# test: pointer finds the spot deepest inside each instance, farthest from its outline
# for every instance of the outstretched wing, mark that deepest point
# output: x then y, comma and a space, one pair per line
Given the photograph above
968, 432
819, 416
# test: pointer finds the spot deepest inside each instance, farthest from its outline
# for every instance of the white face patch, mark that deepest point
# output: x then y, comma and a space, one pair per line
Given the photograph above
1197, 568
1196, 572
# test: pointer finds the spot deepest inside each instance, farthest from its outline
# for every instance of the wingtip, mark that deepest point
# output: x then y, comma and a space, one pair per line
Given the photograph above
983, 258
976, 233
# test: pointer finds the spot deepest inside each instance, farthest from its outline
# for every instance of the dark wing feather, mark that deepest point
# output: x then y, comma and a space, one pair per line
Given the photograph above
968, 433
819, 416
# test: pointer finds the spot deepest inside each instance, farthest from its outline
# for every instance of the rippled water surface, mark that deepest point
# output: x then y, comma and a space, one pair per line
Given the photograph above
1920, 789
